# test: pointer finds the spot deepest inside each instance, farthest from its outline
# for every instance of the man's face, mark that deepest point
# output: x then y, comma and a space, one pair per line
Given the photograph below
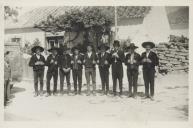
103, 49
76, 52
54, 52
89, 48
116, 47
132, 50
38, 51
148, 47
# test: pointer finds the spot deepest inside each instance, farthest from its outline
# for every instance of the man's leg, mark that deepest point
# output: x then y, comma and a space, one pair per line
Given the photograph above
48, 76
93, 75
107, 80
152, 77
35, 83
74, 76
102, 76
135, 79
41, 76
61, 81
129, 82
87, 75
79, 80
55, 78
114, 76
146, 82
68, 82
120, 78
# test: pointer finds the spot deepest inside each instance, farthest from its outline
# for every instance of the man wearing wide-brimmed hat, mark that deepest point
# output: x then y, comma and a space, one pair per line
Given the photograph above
150, 62
132, 61
104, 59
37, 61
117, 58
64, 67
90, 59
77, 65
52, 63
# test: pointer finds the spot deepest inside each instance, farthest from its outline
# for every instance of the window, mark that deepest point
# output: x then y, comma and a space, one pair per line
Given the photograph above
17, 40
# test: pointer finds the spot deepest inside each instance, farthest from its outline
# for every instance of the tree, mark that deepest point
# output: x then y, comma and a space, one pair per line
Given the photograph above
11, 12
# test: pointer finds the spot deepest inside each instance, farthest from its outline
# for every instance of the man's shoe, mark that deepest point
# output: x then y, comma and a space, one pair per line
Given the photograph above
48, 94
152, 98
36, 94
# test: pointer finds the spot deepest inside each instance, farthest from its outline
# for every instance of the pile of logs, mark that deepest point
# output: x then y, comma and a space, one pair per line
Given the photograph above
173, 55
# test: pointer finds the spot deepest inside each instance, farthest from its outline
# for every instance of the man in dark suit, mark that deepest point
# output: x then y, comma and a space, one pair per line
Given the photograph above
77, 62
117, 58
52, 63
37, 61
104, 64
149, 61
132, 61
64, 67
90, 59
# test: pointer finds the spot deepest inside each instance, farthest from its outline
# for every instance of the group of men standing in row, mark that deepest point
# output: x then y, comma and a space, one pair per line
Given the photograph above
62, 60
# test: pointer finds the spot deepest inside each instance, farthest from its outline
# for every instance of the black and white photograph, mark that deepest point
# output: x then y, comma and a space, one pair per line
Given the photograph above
96, 63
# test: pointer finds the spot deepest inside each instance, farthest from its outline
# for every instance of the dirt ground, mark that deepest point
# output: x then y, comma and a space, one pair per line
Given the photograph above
170, 104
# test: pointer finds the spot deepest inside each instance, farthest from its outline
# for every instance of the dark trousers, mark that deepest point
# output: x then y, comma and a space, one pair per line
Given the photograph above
6, 90
55, 80
117, 75
148, 76
77, 77
62, 75
38, 77
90, 72
104, 75
132, 76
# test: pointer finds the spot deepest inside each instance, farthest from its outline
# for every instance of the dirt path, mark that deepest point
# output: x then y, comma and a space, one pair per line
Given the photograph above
171, 104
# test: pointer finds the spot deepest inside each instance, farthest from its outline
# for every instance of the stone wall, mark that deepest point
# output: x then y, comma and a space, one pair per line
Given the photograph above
173, 55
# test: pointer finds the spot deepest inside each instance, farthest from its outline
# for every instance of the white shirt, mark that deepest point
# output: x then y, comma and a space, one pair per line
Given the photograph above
38, 56
89, 54
132, 58
147, 54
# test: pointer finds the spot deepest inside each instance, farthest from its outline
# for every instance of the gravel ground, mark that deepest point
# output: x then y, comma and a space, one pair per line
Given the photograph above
170, 104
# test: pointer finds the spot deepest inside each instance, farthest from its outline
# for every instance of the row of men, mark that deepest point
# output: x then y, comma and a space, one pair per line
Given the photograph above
115, 58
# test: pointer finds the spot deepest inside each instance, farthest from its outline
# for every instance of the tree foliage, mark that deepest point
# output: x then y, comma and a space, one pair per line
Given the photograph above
11, 12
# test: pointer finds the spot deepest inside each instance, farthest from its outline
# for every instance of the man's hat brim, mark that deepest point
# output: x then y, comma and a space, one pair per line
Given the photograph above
75, 48
37, 47
53, 49
151, 44
132, 47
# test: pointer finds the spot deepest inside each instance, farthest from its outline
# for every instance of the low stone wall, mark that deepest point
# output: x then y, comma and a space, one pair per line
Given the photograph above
173, 55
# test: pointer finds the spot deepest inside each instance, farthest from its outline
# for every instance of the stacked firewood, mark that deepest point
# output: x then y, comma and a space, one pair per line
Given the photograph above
173, 55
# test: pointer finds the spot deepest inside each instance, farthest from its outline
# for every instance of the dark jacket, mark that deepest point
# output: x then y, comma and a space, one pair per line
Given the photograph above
34, 59
89, 61
119, 60
153, 57
52, 67
102, 59
134, 66
64, 61
74, 59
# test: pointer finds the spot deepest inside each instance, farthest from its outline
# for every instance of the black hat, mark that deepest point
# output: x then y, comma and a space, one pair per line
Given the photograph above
103, 46
52, 49
151, 44
116, 43
132, 46
37, 47
75, 48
